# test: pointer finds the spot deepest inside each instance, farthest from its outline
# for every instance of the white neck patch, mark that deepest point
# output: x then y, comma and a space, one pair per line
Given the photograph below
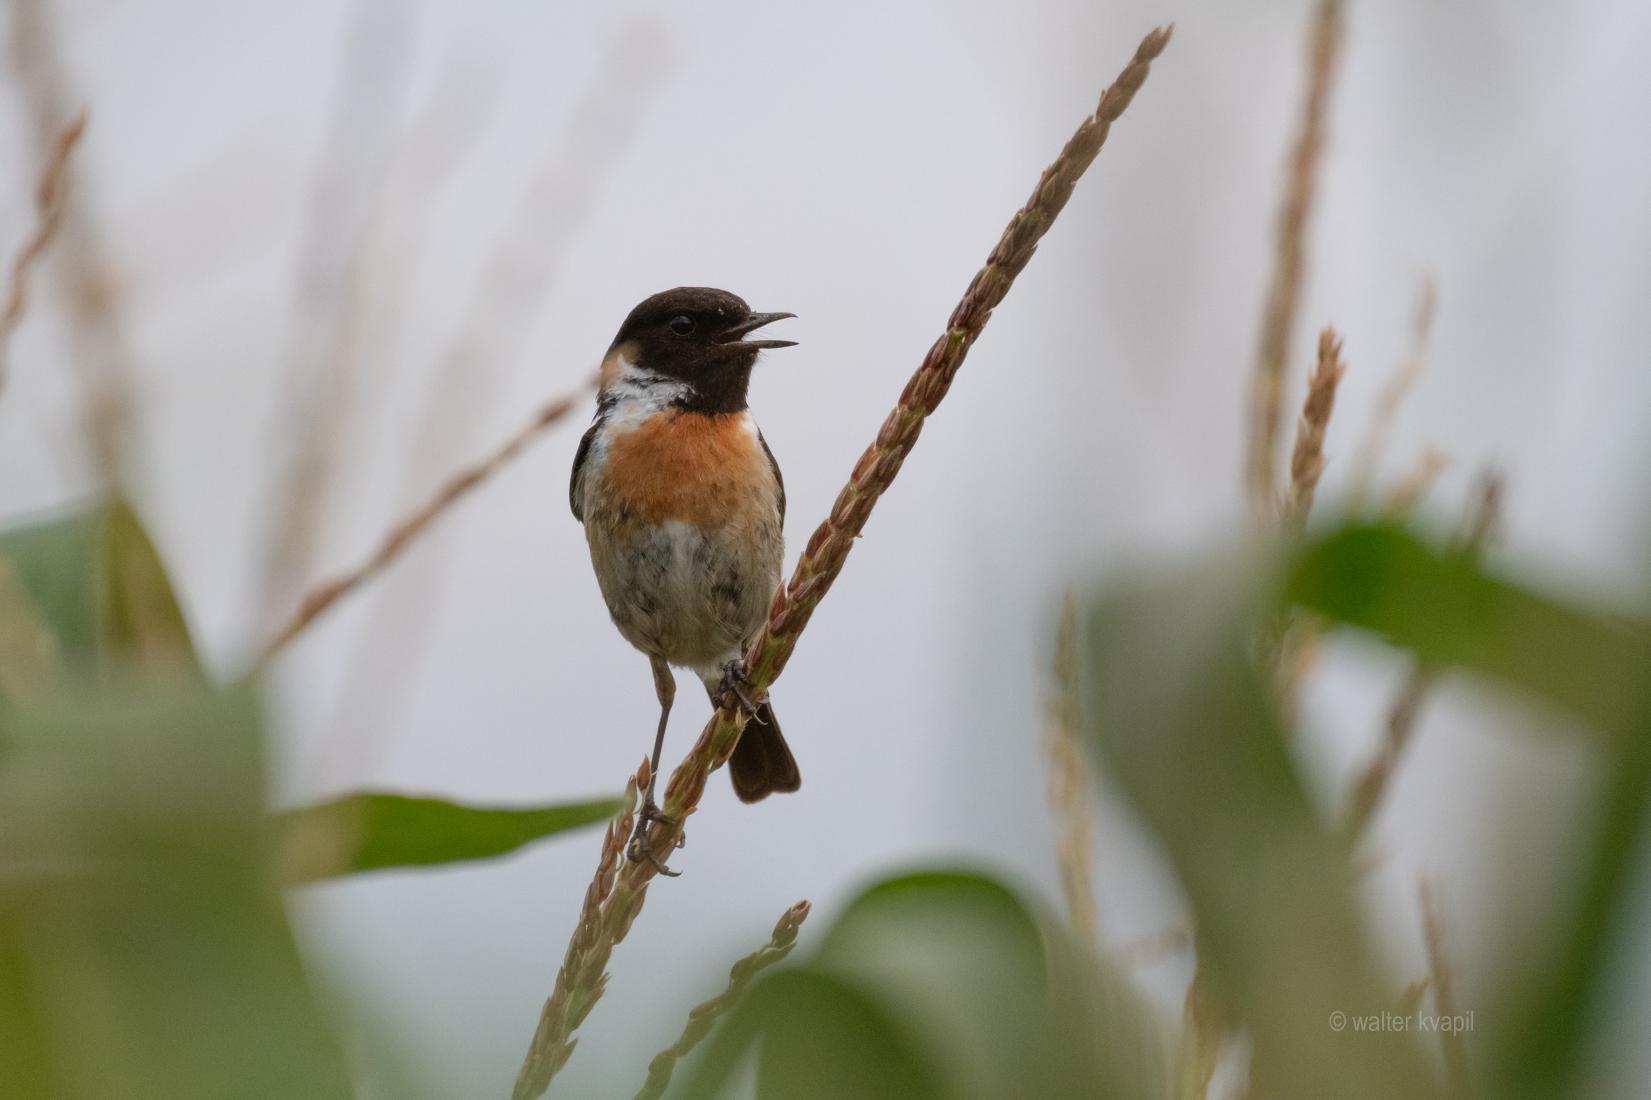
631, 392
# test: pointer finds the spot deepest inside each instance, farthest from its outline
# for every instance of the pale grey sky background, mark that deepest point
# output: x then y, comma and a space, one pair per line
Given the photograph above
852, 163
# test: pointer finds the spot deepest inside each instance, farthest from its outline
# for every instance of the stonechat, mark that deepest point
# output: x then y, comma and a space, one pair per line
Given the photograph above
683, 507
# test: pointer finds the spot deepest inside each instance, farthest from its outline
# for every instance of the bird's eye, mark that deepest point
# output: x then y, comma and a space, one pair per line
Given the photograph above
682, 326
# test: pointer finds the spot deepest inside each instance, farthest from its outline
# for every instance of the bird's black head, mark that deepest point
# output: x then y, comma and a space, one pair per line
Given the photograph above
694, 335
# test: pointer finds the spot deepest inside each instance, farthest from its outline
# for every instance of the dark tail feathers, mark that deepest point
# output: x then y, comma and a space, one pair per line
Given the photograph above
762, 763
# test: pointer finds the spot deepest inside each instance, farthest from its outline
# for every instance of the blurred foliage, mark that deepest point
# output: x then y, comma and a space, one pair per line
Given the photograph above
1443, 607
144, 950
943, 984
144, 944
87, 595
948, 986
1596, 666
375, 830
1185, 722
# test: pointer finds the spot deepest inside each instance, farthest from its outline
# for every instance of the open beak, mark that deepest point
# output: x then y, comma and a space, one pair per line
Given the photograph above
751, 324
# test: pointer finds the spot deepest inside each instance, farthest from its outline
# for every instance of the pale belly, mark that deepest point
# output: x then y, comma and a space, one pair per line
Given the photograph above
688, 594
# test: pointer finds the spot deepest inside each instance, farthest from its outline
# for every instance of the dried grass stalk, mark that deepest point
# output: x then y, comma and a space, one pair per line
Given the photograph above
1372, 784
581, 980
1405, 496
50, 199
1203, 1035
99, 352
1371, 448
1307, 459
1155, 948
705, 1014
1283, 296
822, 559
1069, 793
1410, 998
325, 343
1299, 648
1298, 635
1300, 645
1373, 781
324, 595
1443, 976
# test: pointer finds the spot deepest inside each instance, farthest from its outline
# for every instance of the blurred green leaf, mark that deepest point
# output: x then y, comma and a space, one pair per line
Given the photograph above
822, 1039
1184, 722
1558, 1005
945, 985
374, 830
144, 949
1446, 609
56, 563
997, 993
29, 663
94, 579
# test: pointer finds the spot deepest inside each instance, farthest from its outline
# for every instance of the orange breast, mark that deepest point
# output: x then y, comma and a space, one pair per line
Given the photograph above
705, 470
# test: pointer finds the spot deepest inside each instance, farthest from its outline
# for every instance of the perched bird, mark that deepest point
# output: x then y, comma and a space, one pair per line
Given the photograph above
683, 508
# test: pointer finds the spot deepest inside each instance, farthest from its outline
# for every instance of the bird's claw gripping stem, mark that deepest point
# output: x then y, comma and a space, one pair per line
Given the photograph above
639, 849
736, 684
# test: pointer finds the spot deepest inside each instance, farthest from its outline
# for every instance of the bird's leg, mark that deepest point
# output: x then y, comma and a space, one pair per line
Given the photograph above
638, 848
735, 682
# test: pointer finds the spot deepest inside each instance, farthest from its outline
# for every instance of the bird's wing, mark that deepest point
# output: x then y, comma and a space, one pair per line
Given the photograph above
778, 479
576, 486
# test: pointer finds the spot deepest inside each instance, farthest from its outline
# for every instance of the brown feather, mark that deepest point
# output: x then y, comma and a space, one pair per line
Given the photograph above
762, 763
